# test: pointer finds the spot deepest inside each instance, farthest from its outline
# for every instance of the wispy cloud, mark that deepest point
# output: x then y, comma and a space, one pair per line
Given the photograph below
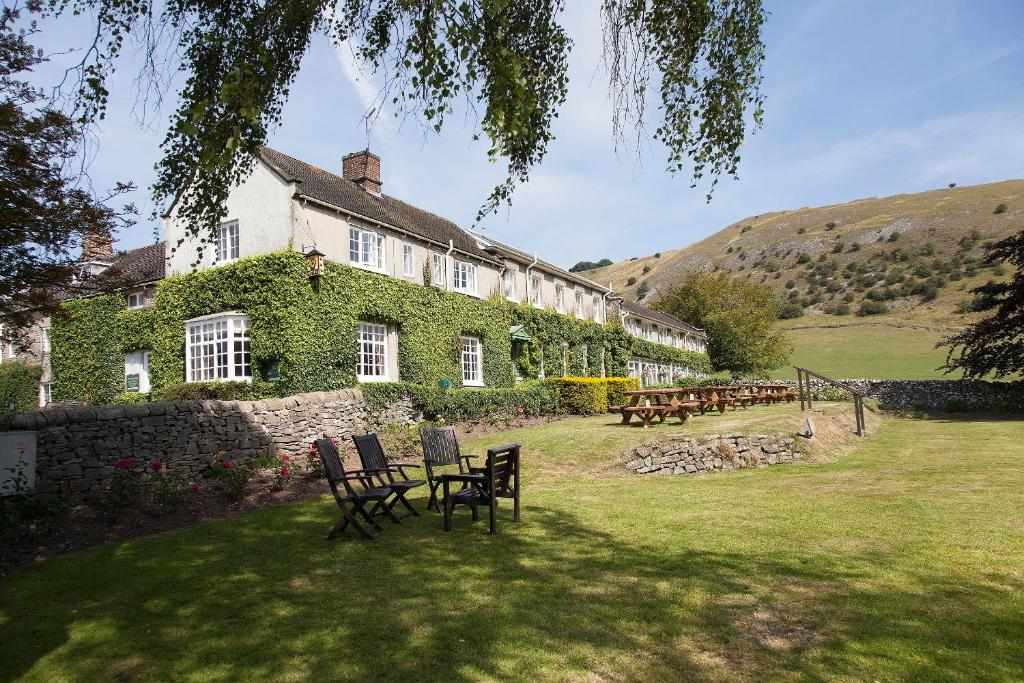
368, 91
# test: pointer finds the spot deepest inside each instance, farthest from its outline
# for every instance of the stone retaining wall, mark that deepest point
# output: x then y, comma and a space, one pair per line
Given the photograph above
937, 394
79, 446
711, 453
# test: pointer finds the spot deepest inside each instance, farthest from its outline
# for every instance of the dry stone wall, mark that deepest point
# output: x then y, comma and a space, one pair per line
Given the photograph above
936, 394
78, 447
712, 453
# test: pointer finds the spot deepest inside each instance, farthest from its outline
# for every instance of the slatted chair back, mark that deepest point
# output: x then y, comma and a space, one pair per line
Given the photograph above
333, 467
440, 449
371, 455
503, 470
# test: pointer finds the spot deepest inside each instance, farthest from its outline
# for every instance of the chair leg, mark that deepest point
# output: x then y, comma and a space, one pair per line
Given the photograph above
447, 508
432, 503
494, 514
400, 498
350, 518
386, 509
368, 516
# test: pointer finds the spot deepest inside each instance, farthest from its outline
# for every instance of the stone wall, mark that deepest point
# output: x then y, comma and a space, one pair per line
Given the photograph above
711, 453
79, 446
937, 394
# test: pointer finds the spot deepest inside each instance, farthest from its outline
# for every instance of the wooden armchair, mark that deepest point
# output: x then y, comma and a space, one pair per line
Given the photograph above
440, 453
353, 499
382, 471
499, 479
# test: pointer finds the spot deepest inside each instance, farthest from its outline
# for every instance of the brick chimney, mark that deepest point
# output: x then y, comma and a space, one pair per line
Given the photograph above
362, 168
97, 245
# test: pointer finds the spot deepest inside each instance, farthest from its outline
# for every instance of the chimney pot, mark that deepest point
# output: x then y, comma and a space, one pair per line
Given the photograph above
362, 168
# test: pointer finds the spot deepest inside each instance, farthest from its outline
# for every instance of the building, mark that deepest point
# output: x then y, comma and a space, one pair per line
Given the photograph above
288, 206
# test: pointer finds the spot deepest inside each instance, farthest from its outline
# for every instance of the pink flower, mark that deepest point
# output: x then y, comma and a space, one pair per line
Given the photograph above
155, 465
225, 464
122, 464
284, 471
195, 489
520, 410
285, 458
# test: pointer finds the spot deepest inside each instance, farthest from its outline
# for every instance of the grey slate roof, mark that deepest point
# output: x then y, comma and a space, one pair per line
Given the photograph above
658, 316
506, 250
142, 265
335, 190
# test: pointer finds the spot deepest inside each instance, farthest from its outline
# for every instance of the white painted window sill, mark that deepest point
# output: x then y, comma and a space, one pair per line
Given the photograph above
474, 383
362, 266
373, 379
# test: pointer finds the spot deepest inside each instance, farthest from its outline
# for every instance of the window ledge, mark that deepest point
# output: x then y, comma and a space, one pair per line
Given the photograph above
474, 383
360, 266
373, 380
467, 292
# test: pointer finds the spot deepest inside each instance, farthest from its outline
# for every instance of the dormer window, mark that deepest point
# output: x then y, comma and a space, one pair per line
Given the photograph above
366, 249
227, 242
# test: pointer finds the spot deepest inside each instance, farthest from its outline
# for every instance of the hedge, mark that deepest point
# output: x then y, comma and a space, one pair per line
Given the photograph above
19, 387
580, 395
452, 405
209, 391
617, 388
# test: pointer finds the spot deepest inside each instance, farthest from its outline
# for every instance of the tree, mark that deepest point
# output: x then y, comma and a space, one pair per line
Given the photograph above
738, 316
45, 207
506, 61
994, 345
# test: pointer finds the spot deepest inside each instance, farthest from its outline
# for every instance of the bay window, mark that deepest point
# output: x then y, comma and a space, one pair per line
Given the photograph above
366, 249
217, 348
472, 362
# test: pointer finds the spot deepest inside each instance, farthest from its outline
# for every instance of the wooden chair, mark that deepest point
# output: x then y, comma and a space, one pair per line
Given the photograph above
354, 500
372, 457
500, 479
441, 451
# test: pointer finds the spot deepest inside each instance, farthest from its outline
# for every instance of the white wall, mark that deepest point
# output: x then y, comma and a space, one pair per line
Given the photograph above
262, 205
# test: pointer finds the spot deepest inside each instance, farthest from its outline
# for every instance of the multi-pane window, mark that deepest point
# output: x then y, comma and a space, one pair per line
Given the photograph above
408, 261
366, 249
508, 281
227, 242
217, 348
579, 305
45, 393
634, 369
559, 298
598, 308
136, 299
465, 277
472, 362
438, 274
46, 340
535, 283
372, 358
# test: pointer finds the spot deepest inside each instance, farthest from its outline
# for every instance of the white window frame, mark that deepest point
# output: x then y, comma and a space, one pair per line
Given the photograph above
559, 297
536, 289
223, 343
372, 341
464, 277
635, 369
579, 305
408, 260
45, 394
472, 362
508, 284
366, 249
228, 242
137, 299
598, 302
439, 270
47, 344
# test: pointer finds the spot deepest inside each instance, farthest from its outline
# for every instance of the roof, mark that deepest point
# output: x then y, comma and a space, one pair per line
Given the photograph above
324, 186
506, 250
642, 311
142, 265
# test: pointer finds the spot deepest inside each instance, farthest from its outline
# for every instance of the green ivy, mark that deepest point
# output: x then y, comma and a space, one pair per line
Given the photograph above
19, 387
86, 362
307, 330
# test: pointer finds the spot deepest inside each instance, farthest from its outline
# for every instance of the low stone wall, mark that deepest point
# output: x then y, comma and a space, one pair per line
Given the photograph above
711, 453
79, 446
937, 394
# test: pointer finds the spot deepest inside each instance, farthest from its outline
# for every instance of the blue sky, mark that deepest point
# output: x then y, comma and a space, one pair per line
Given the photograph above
863, 99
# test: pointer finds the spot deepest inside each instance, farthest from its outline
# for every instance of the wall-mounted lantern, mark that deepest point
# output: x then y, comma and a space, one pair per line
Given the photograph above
314, 263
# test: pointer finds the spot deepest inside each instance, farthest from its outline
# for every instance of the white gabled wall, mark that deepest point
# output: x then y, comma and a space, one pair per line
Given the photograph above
261, 204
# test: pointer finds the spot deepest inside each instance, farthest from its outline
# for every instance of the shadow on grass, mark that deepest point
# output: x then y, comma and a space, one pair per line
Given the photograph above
264, 596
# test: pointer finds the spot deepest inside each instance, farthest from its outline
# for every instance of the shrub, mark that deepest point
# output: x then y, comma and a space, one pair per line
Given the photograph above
841, 308
230, 478
869, 307
630, 281
745, 228
837, 248
790, 311
790, 284
895, 237
803, 258
728, 250
616, 388
855, 246
580, 395
19, 387
801, 231
642, 290
657, 254
1001, 208
831, 225
646, 269
210, 391
131, 397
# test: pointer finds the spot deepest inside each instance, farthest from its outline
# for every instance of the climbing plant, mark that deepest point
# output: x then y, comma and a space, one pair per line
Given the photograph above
86, 362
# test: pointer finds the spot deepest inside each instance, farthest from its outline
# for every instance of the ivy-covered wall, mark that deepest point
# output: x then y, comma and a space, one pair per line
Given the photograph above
19, 387
307, 331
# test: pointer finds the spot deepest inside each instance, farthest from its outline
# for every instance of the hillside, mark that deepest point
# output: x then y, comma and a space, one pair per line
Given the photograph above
877, 278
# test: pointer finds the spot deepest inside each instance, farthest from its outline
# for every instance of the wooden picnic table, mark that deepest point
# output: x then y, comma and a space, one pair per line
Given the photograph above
650, 403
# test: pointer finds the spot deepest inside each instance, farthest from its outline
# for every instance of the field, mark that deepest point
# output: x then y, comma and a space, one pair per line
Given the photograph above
899, 557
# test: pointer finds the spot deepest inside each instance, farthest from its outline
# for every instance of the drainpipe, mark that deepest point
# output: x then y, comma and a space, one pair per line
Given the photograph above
447, 257
604, 318
529, 287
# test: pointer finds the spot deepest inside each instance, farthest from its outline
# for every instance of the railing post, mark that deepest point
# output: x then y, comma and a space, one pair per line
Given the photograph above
800, 384
810, 401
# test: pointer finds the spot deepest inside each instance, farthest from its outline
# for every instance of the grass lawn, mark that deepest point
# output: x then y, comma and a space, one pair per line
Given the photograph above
864, 350
902, 559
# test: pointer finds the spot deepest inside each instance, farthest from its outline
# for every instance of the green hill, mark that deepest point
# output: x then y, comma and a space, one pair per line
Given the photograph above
871, 285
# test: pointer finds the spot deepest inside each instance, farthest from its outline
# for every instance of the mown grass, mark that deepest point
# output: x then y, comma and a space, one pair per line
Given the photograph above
900, 560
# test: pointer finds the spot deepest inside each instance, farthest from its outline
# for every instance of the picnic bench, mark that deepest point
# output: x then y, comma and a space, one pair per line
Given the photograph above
648, 404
